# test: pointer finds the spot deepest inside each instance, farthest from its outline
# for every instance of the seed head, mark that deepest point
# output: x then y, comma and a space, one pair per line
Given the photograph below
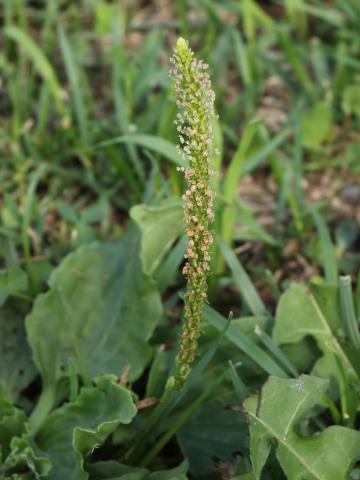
195, 100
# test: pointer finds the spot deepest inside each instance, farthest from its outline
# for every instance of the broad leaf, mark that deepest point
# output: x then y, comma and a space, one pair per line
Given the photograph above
12, 424
12, 281
328, 455
76, 429
16, 367
315, 313
115, 471
160, 227
24, 460
215, 433
99, 314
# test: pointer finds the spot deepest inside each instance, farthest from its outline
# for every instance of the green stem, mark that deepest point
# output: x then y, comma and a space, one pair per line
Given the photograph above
44, 406
159, 445
134, 455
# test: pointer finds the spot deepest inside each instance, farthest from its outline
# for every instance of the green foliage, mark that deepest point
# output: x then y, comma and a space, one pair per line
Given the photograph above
92, 244
160, 227
302, 312
16, 367
316, 125
351, 100
214, 432
99, 284
328, 455
115, 471
12, 282
12, 424
75, 430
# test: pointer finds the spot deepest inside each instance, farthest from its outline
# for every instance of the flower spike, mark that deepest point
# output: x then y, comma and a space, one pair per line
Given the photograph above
195, 101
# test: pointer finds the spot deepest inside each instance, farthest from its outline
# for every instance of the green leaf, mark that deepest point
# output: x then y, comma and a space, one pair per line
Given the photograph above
316, 125
76, 429
235, 334
232, 179
328, 455
265, 151
73, 74
315, 313
247, 227
93, 314
245, 476
351, 100
329, 259
12, 281
157, 144
160, 227
111, 470
213, 433
16, 367
41, 63
12, 424
243, 282
24, 459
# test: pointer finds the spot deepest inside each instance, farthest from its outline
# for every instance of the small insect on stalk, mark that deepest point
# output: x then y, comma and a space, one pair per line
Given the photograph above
195, 100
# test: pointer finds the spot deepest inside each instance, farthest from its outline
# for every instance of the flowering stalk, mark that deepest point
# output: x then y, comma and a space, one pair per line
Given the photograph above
195, 100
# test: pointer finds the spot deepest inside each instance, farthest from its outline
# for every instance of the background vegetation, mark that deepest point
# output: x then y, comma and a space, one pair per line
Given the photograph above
91, 240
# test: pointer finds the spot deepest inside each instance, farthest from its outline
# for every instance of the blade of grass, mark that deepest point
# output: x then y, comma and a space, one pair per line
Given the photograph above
125, 171
243, 58
269, 343
253, 17
26, 221
73, 74
121, 104
348, 398
357, 296
243, 281
41, 63
328, 251
255, 160
170, 400
293, 56
180, 421
285, 181
348, 311
328, 14
232, 179
246, 345
298, 164
159, 145
246, 218
239, 386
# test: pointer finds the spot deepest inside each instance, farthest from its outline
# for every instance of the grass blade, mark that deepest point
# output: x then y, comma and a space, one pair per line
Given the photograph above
243, 281
255, 160
159, 145
41, 63
73, 74
328, 251
239, 385
348, 311
232, 179
250, 348
269, 343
